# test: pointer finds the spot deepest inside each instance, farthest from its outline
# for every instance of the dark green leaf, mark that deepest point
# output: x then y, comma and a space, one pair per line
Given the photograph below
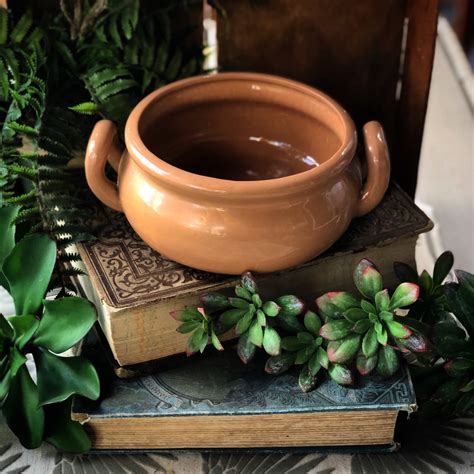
289, 322
305, 337
405, 273
62, 432
331, 305
307, 380
382, 300
292, 343
361, 326
244, 323
7, 233
231, 317
442, 267
195, 341
355, 314
61, 377
21, 410
28, 270
278, 364
17, 359
214, 302
188, 326
312, 322
245, 348
6, 329
64, 323
303, 355
239, 303
290, 305
368, 307
242, 292
24, 327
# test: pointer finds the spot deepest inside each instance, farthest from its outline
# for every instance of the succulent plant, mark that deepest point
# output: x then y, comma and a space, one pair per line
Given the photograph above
253, 319
37, 410
369, 330
432, 300
447, 387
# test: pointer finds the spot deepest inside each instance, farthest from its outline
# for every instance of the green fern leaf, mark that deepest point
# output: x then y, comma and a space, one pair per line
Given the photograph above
66, 55
5, 87
114, 32
86, 108
174, 65
70, 257
22, 27
129, 18
115, 87
23, 198
24, 129
26, 214
3, 25
105, 75
24, 171
13, 66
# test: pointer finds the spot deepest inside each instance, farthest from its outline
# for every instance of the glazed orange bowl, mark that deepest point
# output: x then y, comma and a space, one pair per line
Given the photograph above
238, 171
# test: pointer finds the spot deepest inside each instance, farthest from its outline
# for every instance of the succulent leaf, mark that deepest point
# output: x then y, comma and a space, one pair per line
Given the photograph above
404, 295
414, 343
215, 341
355, 314
244, 323
322, 357
361, 326
271, 341
458, 367
289, 322
368, 307
243, 293
214, 301
256, 334
303, 355
382, 300
340, 374
239, 303
332, 305
367, 278
388, 362
262, 320
306, 380
278, 364
305, 337
365, 364
370, 343
256, 300
382, 337
291, 305
245, 349
231, 317
398, 330
312, 322
249, 283
292, 343
336, 329
188, 326
270, 308
345, 349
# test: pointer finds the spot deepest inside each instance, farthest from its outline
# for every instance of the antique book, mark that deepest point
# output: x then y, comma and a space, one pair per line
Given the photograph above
135, 288
213, 401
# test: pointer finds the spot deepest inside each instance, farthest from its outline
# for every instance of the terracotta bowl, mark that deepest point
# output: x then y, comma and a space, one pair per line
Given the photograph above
238, 171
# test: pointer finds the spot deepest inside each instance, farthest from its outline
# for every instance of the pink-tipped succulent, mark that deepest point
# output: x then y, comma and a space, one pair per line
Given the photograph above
367, 329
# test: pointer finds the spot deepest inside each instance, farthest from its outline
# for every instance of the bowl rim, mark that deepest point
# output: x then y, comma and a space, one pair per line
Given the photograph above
177, 177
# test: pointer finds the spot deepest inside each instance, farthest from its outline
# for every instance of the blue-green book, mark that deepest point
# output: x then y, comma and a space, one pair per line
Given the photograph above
213, 401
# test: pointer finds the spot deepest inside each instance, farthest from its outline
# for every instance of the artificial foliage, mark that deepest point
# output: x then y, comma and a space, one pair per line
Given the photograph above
36, 382
427, 321
344, 334
62, 70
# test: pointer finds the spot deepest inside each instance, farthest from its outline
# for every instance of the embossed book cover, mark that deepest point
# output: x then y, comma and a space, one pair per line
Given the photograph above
215, 401
135, 288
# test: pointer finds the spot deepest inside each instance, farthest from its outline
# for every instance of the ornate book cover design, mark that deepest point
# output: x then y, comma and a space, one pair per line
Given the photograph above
219, 384
127, 272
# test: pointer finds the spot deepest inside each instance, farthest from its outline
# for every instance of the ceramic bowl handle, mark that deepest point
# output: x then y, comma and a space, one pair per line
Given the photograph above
378, 168
103, 146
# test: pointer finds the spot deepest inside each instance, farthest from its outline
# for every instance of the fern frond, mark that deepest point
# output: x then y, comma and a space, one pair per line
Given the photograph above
26, 214
22, 27
3, 25
24, 129
22, 198
70, 257
86, 108
24, 171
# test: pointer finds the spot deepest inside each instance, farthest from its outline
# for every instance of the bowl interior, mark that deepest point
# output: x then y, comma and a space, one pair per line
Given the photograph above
241, 130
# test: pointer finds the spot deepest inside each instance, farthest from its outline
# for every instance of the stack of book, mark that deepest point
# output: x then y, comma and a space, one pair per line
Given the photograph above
152, 399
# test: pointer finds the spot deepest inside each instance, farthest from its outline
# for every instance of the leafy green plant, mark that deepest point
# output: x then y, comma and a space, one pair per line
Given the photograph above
432, 300
370, 329
40, 330
447, 386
